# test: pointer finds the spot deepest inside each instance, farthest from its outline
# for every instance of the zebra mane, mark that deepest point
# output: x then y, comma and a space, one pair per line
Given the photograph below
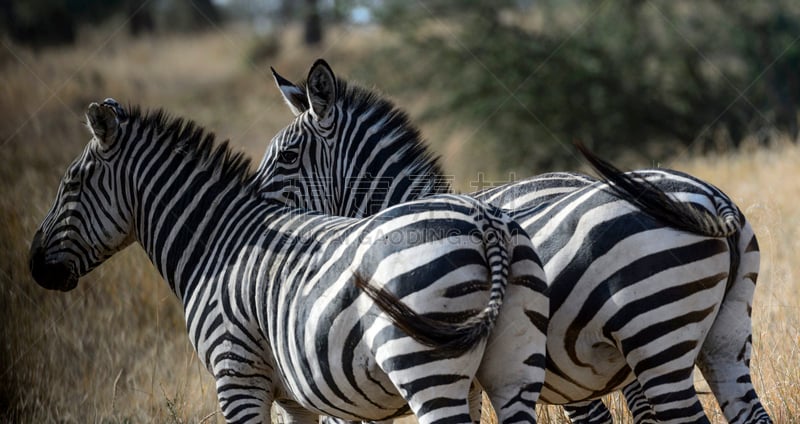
413, 153
196, 143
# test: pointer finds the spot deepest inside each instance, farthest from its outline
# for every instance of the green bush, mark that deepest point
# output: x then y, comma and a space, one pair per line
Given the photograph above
617, 74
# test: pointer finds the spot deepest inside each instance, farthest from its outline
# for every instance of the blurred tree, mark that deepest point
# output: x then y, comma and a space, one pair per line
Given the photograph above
187, 16
38, 22
534, 75
53, 22
141, 18
313, 24
288, 10
769, 41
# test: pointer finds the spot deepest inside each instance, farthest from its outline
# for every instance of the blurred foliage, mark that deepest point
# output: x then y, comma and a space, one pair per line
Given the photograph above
56, 22
312, 33
263, 48
185, 16
535, 75
51, 22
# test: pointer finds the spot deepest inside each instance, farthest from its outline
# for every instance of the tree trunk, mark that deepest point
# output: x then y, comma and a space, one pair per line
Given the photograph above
313, 24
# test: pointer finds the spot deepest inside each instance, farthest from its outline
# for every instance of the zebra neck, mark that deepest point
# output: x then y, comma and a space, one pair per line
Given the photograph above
188, 225
388, 167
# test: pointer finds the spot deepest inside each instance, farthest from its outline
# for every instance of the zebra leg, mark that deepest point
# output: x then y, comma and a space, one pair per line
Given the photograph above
475, 408
243, 399
513, 367
596, 412
289, 412
667, 382
725, 355
447, 403
638, 405
324, 419
244, 386
663, 362
589, 412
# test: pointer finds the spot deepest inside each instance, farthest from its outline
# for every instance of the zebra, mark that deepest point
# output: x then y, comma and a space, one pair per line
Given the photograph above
568, 215
355, 318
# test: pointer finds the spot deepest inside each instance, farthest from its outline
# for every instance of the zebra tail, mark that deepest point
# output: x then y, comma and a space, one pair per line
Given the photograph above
656, 203
449, 338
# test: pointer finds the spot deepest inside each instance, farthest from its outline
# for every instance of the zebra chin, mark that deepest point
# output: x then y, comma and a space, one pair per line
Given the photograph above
50, 275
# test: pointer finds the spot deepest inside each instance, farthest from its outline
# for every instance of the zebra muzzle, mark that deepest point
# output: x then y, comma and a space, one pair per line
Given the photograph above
50, 275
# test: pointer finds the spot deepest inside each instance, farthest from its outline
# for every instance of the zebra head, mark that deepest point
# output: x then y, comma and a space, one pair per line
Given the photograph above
85, 225
348, 152
293, 167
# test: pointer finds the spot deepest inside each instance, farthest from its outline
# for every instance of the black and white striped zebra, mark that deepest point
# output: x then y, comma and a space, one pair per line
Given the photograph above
291, 306
701, 282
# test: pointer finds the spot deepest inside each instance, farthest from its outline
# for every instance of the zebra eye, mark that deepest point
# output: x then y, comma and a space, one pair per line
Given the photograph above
288, 156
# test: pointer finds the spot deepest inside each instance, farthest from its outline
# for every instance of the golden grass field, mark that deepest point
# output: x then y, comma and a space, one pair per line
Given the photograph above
115, 349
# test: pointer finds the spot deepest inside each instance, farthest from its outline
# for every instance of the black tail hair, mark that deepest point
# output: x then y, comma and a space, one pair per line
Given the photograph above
655, 202
450, 339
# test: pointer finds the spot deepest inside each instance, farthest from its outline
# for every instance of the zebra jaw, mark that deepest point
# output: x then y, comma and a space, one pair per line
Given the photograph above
50, 275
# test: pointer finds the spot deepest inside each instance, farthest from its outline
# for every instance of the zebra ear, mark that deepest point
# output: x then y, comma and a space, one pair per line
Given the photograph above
294, 96
103, 122
321, 89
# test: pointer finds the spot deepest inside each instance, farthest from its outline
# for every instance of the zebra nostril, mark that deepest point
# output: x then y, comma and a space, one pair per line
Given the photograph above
53, 276
50, 275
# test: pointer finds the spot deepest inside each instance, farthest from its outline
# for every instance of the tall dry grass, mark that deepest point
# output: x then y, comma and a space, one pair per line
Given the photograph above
115, 349
766, 185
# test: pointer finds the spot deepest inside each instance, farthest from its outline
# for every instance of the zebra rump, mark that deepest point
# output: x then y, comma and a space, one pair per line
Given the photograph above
655, 202
455, 332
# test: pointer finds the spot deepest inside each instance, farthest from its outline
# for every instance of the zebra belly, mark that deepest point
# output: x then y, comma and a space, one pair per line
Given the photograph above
372, 398
335, 349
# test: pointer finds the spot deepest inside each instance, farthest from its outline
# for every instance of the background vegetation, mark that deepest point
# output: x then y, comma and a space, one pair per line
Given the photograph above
706, 88
624, 74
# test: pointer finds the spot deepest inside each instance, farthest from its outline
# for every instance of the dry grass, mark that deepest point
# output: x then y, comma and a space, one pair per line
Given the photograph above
766, 186
115, 349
